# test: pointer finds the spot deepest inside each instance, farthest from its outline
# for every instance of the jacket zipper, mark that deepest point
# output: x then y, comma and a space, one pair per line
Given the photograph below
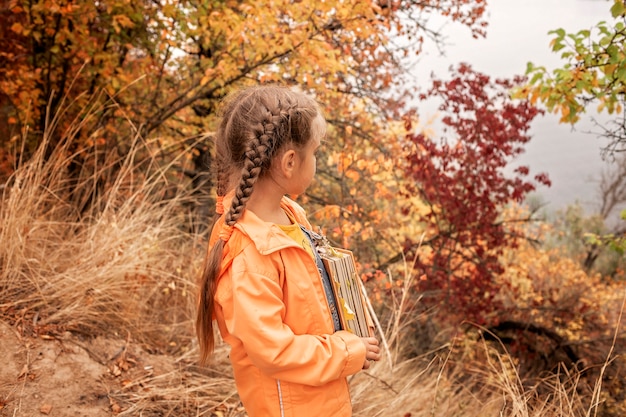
280, 399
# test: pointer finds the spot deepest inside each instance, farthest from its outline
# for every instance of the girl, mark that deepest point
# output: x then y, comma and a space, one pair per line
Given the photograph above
260, 281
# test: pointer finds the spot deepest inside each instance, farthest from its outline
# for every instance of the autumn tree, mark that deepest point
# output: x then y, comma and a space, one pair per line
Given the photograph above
462, 179
165, 63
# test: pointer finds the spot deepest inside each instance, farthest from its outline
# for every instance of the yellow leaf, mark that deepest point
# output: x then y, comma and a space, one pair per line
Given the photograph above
17, 27
347, 311
123, 21
353, 175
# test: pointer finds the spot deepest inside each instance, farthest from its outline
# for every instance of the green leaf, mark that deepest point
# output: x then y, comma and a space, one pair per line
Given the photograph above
536, 77
602, 28
620, 74
605, 41
614, 55
558, 46
560, 33
618, 8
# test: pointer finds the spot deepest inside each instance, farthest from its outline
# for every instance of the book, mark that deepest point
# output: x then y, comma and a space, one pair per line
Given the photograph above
348, 289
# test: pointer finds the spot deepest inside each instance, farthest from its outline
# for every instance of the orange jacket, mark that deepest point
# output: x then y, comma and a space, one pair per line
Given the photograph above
272, 310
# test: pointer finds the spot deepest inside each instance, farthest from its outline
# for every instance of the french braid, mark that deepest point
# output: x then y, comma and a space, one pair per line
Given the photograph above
257, 158
256, 124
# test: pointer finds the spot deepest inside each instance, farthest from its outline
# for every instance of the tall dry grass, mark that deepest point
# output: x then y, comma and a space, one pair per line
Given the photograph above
468, 378
98, 251
125, 267
464, 377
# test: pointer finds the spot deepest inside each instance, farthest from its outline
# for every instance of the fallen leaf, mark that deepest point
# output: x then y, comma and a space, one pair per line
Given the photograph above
45, 409
115, 407
115, 370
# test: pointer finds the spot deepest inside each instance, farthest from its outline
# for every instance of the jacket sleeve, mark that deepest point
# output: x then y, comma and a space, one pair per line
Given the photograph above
256, 320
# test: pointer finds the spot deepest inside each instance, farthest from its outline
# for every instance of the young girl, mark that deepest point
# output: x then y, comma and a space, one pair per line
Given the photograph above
261, 282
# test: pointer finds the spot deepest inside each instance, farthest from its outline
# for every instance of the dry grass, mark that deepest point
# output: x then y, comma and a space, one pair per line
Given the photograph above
121, 264
465, 378
445, 388
183, 389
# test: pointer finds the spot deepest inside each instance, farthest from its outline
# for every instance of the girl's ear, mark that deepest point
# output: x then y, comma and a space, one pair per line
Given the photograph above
287, 163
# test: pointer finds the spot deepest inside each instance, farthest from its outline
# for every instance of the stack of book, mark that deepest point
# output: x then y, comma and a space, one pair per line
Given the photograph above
348, 289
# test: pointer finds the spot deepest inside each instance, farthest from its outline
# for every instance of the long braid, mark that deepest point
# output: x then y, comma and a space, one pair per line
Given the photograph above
256, 124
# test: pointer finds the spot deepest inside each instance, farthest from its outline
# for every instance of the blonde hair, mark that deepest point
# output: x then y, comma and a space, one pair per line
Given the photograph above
256, 124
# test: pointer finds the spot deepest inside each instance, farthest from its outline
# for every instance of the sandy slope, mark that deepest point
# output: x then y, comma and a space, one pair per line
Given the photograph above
65, 376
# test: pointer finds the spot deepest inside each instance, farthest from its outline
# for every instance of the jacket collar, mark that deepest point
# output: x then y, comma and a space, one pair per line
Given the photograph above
267, 237
250, 229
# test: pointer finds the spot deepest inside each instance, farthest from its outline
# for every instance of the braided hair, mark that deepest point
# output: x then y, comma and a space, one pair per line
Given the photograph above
256, 124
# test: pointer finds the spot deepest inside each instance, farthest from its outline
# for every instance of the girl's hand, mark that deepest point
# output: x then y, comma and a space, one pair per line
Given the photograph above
372, 351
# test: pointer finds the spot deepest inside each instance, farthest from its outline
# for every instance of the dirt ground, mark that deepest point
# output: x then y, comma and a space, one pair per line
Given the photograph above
64, 376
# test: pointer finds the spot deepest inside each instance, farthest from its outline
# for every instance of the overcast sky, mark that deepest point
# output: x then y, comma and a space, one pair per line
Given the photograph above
518, 33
